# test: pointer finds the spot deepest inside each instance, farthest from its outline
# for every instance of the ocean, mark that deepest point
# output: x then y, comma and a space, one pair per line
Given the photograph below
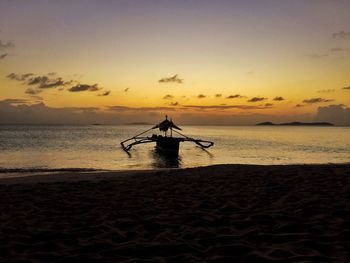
50, 148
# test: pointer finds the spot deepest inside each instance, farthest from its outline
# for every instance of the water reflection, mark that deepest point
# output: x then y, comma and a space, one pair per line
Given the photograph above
160, 160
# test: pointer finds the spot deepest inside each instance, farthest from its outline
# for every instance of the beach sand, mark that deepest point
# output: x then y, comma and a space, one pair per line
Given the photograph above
223, 213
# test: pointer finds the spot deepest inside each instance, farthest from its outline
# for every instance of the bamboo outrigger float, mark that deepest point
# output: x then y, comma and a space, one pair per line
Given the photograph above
168, 145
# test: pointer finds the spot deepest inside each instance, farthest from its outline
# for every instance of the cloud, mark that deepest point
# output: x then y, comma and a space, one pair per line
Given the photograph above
14, 101
347, 88
125, 108
268, 105
174, 103
3, 56
7, 45
103, 94
201, 96
173, 79
256, 99
299, 105
225, 107
25, 112
84, 87
44, 82
237, 96
341, 34
337, 49
51, 74
41, 81
326, 90
126, 90
278, 98
19, 77
218, 95
32, 91
316, 100
317, 56
168, 97
337, 114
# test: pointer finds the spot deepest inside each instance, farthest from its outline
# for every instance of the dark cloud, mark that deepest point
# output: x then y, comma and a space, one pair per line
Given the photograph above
103, 94
174, 103
218, 95
3, 56
326, 90
44, 82
256, 99
237, 96
278, 98
299, 105
168, 97
32, 91
316, 100
41, 82
347, 88
201, 96
84, 87
126, 90
337, 114
341, 34
268, 105
173, 79
7, 45
27, 112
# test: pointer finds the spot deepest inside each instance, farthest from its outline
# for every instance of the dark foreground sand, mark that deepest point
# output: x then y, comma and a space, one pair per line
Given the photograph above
226, 213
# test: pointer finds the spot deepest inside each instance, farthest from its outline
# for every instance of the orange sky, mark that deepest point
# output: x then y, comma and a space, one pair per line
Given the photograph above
253, 51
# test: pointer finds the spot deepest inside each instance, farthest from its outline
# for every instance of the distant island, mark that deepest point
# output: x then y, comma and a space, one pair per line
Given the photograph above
268, 123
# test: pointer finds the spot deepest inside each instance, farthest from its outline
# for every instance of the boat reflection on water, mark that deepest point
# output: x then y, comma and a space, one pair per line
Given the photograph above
161, 160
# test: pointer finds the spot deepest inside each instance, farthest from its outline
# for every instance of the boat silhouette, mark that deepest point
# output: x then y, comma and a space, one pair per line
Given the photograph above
168, 145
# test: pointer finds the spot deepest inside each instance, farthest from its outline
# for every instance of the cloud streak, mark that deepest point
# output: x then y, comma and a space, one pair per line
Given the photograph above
256, 99
237, 96
104, 94
173, 79
84, 87
278, 98
225, 107
316, 100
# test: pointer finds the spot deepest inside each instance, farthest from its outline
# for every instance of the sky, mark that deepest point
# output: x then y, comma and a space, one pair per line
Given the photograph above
201, 62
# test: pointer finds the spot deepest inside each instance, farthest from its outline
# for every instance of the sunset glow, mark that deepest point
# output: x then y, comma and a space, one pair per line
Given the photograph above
203, 62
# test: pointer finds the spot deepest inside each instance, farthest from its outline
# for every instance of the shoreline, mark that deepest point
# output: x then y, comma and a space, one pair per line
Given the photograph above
223, 213
81, 174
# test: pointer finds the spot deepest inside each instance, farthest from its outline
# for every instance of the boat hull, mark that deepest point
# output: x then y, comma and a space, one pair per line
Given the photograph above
168, 145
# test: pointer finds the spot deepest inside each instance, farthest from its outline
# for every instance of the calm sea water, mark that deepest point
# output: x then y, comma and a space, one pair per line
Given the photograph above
98, 147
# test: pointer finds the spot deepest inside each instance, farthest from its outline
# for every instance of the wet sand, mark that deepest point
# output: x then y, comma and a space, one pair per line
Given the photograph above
224, 213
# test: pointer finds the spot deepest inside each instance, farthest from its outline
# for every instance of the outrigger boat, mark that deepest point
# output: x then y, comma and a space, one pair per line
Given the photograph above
168, 145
